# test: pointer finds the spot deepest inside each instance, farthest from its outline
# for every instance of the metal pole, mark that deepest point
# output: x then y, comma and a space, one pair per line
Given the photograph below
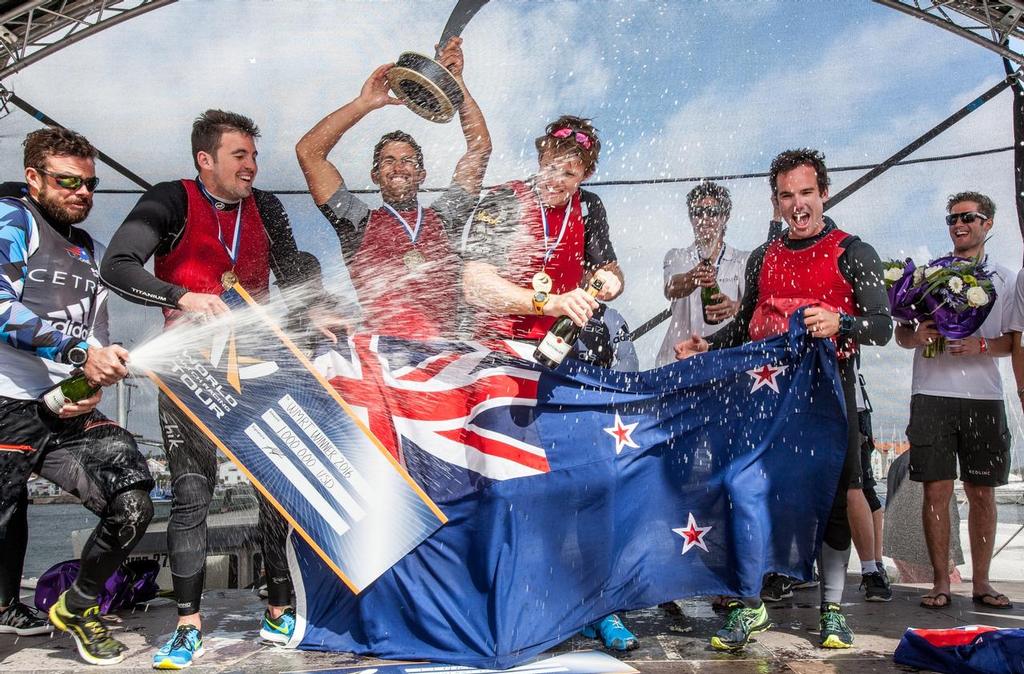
49, 121
122, 404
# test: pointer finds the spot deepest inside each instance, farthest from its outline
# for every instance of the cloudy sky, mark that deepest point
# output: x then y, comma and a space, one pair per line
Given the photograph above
677, 89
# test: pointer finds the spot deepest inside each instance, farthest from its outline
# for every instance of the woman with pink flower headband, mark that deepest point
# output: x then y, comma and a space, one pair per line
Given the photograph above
531, 248
533, 245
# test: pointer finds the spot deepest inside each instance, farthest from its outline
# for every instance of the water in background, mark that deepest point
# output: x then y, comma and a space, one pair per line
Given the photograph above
49, 534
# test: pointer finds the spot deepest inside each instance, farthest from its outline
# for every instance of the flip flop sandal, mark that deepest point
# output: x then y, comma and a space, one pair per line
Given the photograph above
979, 600
936, 596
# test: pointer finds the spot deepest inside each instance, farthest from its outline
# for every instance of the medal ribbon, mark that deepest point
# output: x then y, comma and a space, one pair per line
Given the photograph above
549, 248
233, 250
413, 232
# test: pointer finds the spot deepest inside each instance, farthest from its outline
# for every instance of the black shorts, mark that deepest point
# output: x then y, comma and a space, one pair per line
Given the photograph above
89, 455
942, 430
867, 447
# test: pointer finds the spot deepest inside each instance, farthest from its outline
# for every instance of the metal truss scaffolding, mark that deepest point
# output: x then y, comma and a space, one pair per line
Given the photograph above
30, 31
996, 26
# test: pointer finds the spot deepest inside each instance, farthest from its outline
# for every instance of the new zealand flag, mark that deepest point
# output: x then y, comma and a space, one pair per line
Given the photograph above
576, 493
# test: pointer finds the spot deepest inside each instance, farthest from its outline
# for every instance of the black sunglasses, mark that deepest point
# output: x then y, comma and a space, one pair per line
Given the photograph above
968, 217
72, 183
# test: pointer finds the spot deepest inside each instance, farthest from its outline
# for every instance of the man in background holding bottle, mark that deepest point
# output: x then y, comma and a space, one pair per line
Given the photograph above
53, 324
708, 262
530, 249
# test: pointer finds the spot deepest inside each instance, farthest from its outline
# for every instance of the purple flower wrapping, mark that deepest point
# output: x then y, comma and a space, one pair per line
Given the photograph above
903, 296
954, 317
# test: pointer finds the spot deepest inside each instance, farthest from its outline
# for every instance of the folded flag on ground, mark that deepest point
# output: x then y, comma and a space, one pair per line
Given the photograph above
575, 493
971, 649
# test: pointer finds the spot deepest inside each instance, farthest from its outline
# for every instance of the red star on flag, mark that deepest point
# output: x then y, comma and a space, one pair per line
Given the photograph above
693, 535
623, 433
766, 376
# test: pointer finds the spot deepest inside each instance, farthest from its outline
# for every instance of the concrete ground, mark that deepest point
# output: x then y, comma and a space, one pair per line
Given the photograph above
671, 641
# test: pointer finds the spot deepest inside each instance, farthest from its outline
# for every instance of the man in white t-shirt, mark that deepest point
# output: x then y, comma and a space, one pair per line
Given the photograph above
957, 413
708, 260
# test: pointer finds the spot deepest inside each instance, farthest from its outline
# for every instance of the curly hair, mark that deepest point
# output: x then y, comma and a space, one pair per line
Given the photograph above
212, 124
710, 189
569, 144
397, 136
55, 141
985, 204
791, 159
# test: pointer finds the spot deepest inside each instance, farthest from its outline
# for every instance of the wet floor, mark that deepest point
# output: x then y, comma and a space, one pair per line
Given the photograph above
672, 641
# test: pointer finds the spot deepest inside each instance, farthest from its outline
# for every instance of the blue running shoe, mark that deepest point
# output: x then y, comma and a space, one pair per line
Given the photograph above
278, 630
184, 646
613, 633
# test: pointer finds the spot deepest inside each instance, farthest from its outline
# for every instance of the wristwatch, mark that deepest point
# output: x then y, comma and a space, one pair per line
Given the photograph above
540, 298
77, 356
846, 322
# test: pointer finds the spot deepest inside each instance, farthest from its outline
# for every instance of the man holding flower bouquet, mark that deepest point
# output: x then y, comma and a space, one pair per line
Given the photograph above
956, 406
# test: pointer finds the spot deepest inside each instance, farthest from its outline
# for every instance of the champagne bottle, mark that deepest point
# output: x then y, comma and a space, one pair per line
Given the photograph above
71, 390
707, 294
560, 339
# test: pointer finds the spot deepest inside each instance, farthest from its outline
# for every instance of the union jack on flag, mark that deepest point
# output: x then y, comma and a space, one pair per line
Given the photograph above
466, 404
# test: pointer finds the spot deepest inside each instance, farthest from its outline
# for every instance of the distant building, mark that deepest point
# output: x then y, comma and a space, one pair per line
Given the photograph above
38, 486
228, 475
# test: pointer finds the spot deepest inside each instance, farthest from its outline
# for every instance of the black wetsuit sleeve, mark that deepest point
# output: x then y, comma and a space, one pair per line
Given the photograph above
493, 229
736, 332
153, 226
348, 216
862, 267
285, 261
454, 207
597, 243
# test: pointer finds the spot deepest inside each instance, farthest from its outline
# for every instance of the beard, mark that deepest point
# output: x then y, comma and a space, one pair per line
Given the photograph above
57, 213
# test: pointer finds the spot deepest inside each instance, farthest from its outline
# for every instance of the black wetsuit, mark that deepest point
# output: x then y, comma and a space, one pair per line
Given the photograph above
859, 264
48, 286
156, 225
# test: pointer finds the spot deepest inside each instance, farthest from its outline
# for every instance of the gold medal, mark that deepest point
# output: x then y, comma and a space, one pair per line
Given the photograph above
413, 259
228, 279
541, 282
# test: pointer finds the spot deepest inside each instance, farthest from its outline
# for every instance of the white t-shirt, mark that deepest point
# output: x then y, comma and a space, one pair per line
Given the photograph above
1013, 312
975, 377
687, 315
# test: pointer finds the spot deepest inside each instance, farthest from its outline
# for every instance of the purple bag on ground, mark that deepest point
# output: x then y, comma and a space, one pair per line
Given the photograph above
133, 582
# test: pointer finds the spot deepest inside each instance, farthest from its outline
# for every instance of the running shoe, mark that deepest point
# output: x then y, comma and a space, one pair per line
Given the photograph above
92, 637
613, 633
776, 587
835, 633
184, 646
23, 621
279, 630
804, 584
740, 625
876, 587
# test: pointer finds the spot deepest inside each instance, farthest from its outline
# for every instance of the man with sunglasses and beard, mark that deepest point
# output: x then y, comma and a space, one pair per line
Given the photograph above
531, 248
53, 321
708, 262
957, 414
208, 234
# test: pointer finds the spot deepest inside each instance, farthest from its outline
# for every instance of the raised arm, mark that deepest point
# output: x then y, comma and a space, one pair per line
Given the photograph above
469, 171
323, 177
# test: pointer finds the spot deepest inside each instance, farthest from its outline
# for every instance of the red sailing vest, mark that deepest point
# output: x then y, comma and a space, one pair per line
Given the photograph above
791, 279
199, 259
526, 258
406, 289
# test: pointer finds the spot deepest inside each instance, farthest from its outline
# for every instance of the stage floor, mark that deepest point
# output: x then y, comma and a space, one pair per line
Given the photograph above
673, 642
